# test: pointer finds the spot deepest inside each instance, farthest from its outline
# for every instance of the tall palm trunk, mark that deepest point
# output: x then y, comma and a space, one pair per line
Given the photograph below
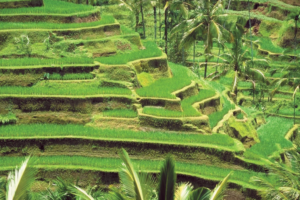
296, 31
137, 19
87, 2
143, 21
250, 33
154, 9
159, 16
219, 46
205, 70
194, 53
166, 31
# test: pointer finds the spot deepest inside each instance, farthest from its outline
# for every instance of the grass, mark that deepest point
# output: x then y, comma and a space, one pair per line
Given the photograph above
39, 61
56, 130
50, 7
188, 109
74, 76
271, 136
73, 89
241, 177
215, 117
120, 113
151, 51
164, 87
105, 19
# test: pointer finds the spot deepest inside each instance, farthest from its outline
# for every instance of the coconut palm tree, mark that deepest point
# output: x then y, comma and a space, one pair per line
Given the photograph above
18, 183
173, 5
287, 183
135, 7
205, 22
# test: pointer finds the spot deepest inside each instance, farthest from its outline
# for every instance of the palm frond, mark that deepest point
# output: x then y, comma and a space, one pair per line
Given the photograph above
167, 180
217, 193
129, 177
81, 193
200, 194
183, 191
19, 181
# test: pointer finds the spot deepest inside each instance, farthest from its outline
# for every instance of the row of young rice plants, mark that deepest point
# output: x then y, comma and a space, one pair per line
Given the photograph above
219, 141
151, 50
105, 19
126, 113
39, 61
114, 164
69, 88
271, 136
188, 109
71, 76
50, 7
164, 87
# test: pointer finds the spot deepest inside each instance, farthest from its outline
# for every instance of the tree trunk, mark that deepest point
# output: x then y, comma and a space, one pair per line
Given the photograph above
250, 33
194, 53
87, 2
159, 15
154, 9
166, 31
137, 19
205, 70
143, 21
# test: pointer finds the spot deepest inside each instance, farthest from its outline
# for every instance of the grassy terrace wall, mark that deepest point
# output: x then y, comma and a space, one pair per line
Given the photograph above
83, 104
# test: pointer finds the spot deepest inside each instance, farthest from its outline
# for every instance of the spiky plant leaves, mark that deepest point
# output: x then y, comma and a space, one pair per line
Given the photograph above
82, 194
183, 191
64, 189
19, 181
114, 195
167, 180
3, 183
200, 194
217, 193
130, 179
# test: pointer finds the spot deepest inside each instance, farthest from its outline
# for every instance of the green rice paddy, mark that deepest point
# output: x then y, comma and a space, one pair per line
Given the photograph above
164, 87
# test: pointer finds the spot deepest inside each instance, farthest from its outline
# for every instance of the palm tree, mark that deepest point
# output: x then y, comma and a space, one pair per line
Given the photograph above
18, 182
153, 3
173, 5
287, 183
135, 7
205, 22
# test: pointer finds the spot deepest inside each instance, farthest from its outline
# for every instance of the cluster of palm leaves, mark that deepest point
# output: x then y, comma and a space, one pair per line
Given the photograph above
287, 186
134, 185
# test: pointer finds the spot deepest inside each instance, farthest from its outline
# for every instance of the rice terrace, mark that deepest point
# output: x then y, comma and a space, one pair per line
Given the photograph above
149, 99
